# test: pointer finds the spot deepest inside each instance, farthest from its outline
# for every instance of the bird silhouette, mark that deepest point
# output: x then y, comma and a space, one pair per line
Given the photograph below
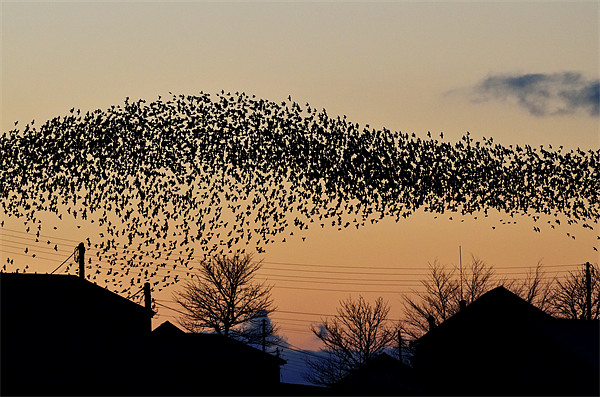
230, 172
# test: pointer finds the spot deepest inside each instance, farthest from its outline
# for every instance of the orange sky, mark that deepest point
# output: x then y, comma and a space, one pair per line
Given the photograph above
406, 66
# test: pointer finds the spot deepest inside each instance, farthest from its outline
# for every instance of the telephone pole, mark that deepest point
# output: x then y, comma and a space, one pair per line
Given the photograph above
81, 260
588, 291
400, 345
462, 304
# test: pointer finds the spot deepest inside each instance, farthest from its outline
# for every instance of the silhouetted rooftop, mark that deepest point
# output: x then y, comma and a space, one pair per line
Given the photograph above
62, 285
212, 342
496, 305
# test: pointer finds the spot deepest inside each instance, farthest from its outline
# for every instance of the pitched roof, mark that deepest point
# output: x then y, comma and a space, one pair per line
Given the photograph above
167, 329
498, 305
502, 345
213, 343
61, 286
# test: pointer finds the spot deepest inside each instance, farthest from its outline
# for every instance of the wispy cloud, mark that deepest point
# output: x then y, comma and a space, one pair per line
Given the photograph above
542, 94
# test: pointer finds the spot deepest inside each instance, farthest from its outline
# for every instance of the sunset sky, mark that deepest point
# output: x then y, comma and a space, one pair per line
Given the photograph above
494, 69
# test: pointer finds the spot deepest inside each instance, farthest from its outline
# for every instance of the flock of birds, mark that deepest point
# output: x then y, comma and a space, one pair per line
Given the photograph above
175, 181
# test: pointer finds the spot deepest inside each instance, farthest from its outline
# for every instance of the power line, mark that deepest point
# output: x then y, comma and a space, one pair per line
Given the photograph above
296, 331
341, 266
338, 272
31, 256
312, 265
295, 278
140, 290
162, 267
401, 267
424, 273
170, 308
289, 346
72, 253
336, 290
41, 235
303, 313
338, 282
275, 317
37, 248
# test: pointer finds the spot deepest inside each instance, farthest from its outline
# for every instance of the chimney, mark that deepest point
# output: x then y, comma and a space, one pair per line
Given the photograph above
81, 260
431, 321
462, 305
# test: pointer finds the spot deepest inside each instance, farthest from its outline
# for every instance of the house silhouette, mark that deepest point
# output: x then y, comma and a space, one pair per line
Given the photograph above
201, 363
63, 335
382, 375
502, 345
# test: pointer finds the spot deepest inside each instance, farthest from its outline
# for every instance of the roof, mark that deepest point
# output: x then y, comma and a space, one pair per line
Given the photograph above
63, 287
67, 333
498, 305
382, 374
167, 329
213, 343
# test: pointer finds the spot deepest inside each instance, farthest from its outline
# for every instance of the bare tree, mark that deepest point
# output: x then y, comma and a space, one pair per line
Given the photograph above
478, 281
358, 332
570, 295
224, 296
536, 288
437, 302
258, 331
442, 295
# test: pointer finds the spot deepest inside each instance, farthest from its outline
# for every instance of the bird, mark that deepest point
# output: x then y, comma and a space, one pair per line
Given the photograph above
284, 160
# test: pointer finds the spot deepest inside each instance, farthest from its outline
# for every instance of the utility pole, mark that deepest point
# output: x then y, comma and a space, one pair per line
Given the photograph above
81, 260
148, 306
264, 335
400, 345
588, 291
461, 273
147, 297
462, 304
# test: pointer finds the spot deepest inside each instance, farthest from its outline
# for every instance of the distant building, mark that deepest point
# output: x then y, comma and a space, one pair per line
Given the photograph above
382, 375
502, 345
200, 364
61, 334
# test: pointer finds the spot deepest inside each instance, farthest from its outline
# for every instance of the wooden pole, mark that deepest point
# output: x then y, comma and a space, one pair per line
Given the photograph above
147, 297
81, 260
400, 345
588, 291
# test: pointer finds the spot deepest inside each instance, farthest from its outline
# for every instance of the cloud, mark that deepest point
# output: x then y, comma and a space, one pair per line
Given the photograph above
542, 94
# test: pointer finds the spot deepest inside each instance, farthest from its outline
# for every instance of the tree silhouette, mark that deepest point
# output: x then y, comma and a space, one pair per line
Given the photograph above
569, 298
359, 332
441, 297
224, 297
259, 332
536, 288
438, 302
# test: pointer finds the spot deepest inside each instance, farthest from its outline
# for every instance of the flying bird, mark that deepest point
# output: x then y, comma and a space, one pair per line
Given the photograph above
220, 173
